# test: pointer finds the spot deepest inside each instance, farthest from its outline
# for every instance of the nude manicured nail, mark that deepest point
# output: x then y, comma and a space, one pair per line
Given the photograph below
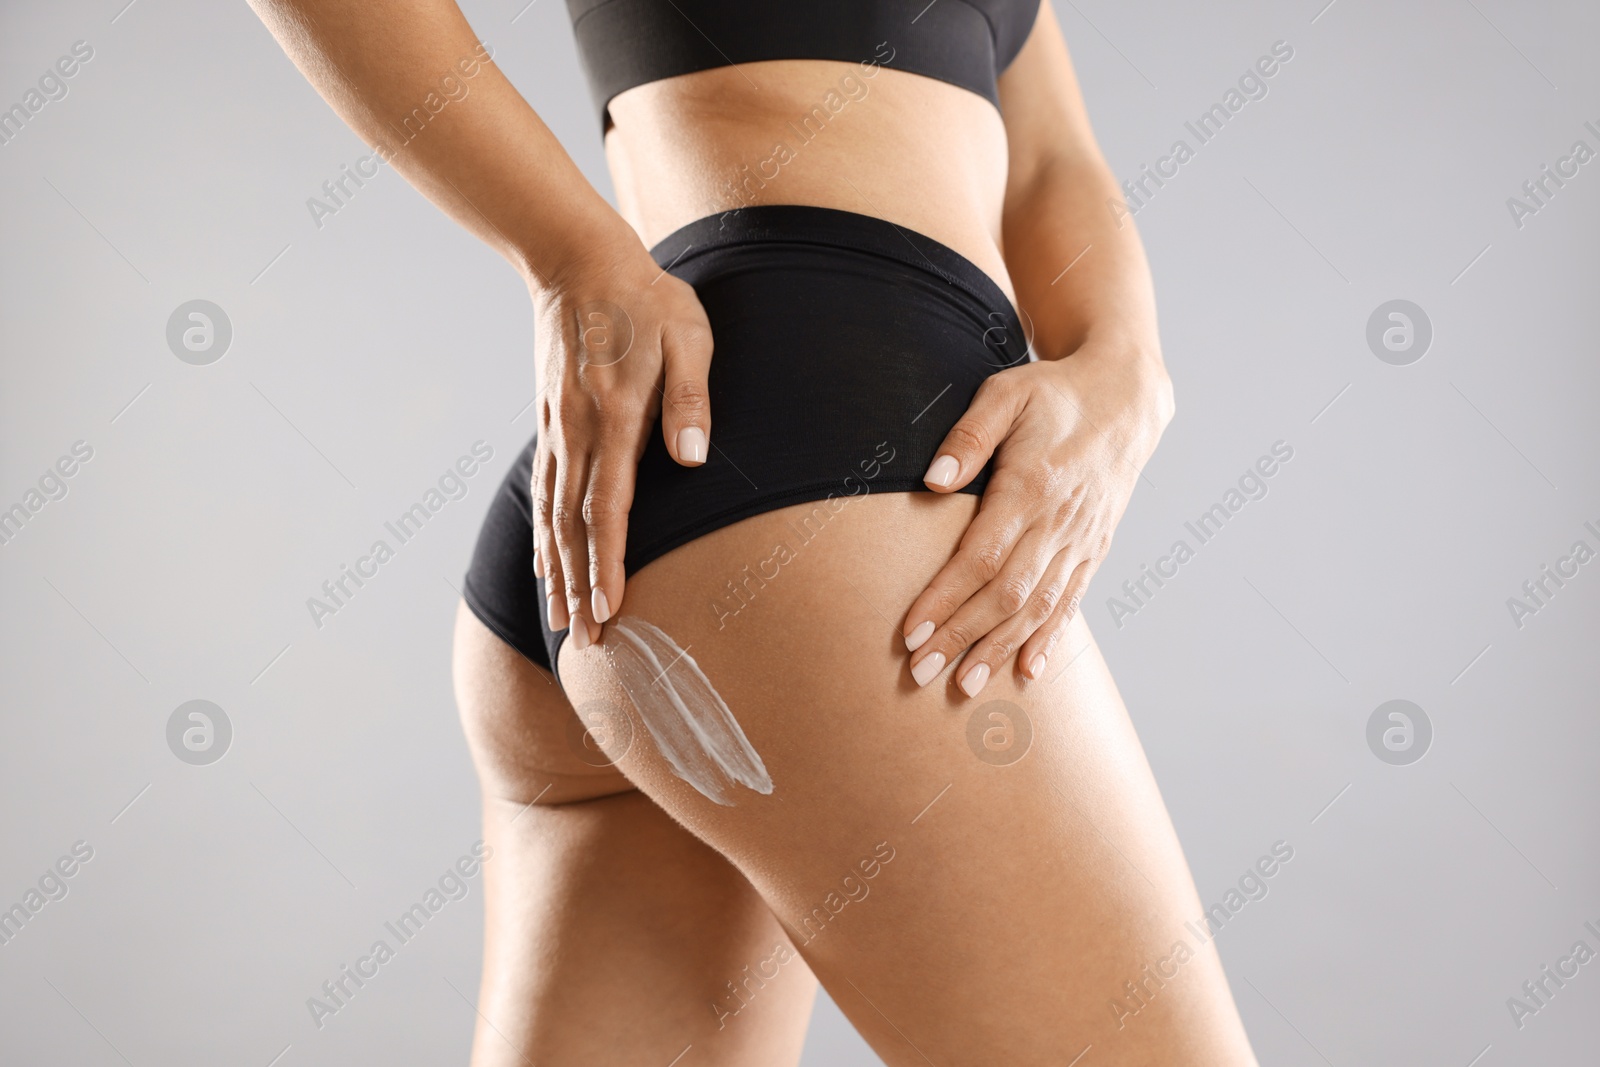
927, 668
692, 445
973, 681
538, 564
601, 606
918, 637
942, 471
556, 611
1036, 665
580, 634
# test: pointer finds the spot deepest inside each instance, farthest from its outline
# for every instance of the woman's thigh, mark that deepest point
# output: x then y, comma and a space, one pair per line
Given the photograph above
613, 935
976, 881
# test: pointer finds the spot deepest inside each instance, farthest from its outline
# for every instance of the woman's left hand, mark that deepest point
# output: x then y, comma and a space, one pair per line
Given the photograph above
1069, 437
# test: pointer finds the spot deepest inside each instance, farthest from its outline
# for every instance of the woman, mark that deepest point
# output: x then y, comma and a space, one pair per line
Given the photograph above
791, 420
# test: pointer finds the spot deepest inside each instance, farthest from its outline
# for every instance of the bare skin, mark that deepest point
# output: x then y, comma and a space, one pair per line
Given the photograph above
1018, 904
1017, 898
611, 930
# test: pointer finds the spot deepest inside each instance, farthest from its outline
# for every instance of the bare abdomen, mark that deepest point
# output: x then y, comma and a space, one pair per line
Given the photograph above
919, 152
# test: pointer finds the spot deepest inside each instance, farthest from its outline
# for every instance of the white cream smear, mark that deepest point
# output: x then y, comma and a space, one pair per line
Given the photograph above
683, 713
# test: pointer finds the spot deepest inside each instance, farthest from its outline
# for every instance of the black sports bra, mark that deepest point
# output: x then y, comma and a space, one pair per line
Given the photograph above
624, 43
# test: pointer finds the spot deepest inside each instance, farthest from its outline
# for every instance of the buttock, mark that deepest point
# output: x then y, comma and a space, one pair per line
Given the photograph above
845, 348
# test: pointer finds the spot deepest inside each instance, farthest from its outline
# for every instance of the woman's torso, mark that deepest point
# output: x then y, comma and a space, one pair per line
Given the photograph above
922, 153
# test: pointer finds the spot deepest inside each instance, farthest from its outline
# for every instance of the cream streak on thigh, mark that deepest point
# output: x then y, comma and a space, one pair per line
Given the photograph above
692, 727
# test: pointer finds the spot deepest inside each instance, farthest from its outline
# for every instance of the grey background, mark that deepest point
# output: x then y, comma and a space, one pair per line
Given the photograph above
370, 354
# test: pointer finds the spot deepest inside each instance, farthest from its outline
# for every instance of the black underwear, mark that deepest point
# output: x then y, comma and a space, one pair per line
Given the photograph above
624, 43
845, 349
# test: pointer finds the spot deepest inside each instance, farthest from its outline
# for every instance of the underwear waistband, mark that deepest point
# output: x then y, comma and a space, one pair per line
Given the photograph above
805, 224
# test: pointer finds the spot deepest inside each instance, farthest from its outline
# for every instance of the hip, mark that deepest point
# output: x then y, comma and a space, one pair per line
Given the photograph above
845, 348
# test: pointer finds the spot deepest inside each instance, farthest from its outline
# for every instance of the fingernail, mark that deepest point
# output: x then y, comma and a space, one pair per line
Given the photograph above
1036, 665
538, 564
973, 681
580, 634
601, 606
942, 472
918, 637
692, 445
927, 668
556, 611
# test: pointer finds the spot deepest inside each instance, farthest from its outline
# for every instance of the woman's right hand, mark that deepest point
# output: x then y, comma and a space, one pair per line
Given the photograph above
618, 341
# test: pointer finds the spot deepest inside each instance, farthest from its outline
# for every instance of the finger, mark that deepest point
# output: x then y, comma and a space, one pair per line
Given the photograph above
1000, 598
572, 546
991, 652
535, 476
544, 478
972, 440
1079, 585
983, 550
605, 511
685, 396
1036, 650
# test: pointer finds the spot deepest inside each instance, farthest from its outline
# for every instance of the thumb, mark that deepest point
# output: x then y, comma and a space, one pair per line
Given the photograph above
973, 439
685, 400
